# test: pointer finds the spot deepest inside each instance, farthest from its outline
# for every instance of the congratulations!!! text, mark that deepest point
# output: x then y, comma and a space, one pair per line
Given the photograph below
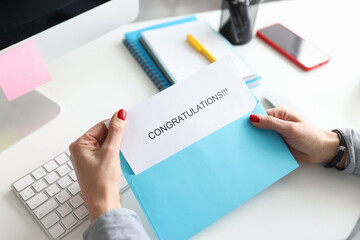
188, 114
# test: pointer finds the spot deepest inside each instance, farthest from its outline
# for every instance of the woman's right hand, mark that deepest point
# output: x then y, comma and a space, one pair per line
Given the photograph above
96, 161
305, 141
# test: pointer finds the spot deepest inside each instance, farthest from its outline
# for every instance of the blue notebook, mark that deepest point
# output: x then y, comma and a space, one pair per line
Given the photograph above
152, 67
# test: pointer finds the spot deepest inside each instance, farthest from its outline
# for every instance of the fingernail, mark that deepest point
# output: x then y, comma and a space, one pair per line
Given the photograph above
122, 114
254, 118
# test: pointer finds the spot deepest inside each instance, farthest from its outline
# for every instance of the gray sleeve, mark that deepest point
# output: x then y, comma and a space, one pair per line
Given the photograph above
119, 224
352, 139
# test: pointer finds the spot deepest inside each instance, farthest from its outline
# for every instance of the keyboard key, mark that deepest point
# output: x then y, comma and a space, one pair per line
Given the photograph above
63, 170
76, 201
69, 221
45, 208
62, 158
27, 193
50, 220
64, 210
37, 200
52, 190
68, 152
73, 175
70, 165
38, 173
39, 185
52, 177
23, 183
74, 188
63, 196
64, 182
123, 183
56, 231
51, 166
81, 212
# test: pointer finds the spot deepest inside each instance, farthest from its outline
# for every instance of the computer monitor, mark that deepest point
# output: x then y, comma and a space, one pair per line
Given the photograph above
58, 27
61, 28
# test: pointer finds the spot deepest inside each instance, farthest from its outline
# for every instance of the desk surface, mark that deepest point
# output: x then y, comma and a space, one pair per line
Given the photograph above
101, 77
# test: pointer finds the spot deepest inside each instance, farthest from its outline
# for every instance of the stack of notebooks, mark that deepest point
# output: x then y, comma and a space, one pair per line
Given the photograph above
166, 57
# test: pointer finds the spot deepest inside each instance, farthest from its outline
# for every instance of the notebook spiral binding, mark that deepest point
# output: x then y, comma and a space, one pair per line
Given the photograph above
147, 63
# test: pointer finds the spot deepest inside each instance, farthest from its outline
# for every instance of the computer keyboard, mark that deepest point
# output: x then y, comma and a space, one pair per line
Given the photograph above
52, 195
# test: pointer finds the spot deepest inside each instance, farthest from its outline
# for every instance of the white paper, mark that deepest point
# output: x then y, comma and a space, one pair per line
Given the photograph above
178, 57
196, 111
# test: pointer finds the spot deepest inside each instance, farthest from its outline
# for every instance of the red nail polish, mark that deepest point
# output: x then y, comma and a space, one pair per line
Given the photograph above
122, 114
254, 118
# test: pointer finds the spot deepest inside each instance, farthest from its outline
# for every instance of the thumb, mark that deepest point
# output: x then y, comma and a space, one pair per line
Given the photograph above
270, 123
116, 130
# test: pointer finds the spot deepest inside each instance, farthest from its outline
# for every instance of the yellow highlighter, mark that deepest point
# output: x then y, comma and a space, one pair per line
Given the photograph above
200, 48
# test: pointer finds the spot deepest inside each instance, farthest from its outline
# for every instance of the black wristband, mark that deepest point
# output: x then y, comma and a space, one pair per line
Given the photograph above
340, 152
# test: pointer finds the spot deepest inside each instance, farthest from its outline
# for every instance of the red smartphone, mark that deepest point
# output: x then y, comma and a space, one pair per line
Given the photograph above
298, 50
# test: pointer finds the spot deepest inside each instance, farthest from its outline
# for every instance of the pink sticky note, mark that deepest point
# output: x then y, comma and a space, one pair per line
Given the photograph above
22, 69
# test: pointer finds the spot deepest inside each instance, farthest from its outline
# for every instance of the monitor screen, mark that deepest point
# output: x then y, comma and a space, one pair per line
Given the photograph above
20, 19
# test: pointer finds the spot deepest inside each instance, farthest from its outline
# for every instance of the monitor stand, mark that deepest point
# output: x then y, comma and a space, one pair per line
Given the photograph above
24, 115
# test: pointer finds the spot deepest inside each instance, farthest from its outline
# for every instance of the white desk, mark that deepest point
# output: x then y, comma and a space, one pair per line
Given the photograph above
101, 77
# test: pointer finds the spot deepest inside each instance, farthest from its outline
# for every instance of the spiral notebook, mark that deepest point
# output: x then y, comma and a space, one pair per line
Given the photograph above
156, 68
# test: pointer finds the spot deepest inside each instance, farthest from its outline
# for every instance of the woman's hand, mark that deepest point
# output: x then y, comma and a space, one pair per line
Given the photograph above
95, 157
306, 142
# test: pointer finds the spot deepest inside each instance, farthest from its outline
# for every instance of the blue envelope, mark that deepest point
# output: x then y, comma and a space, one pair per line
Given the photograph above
196, 186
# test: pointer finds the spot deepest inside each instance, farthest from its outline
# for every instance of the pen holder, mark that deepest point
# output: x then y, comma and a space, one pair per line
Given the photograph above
237, 20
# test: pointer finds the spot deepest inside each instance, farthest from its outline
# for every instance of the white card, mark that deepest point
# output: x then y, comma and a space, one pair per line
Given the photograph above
185, 113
